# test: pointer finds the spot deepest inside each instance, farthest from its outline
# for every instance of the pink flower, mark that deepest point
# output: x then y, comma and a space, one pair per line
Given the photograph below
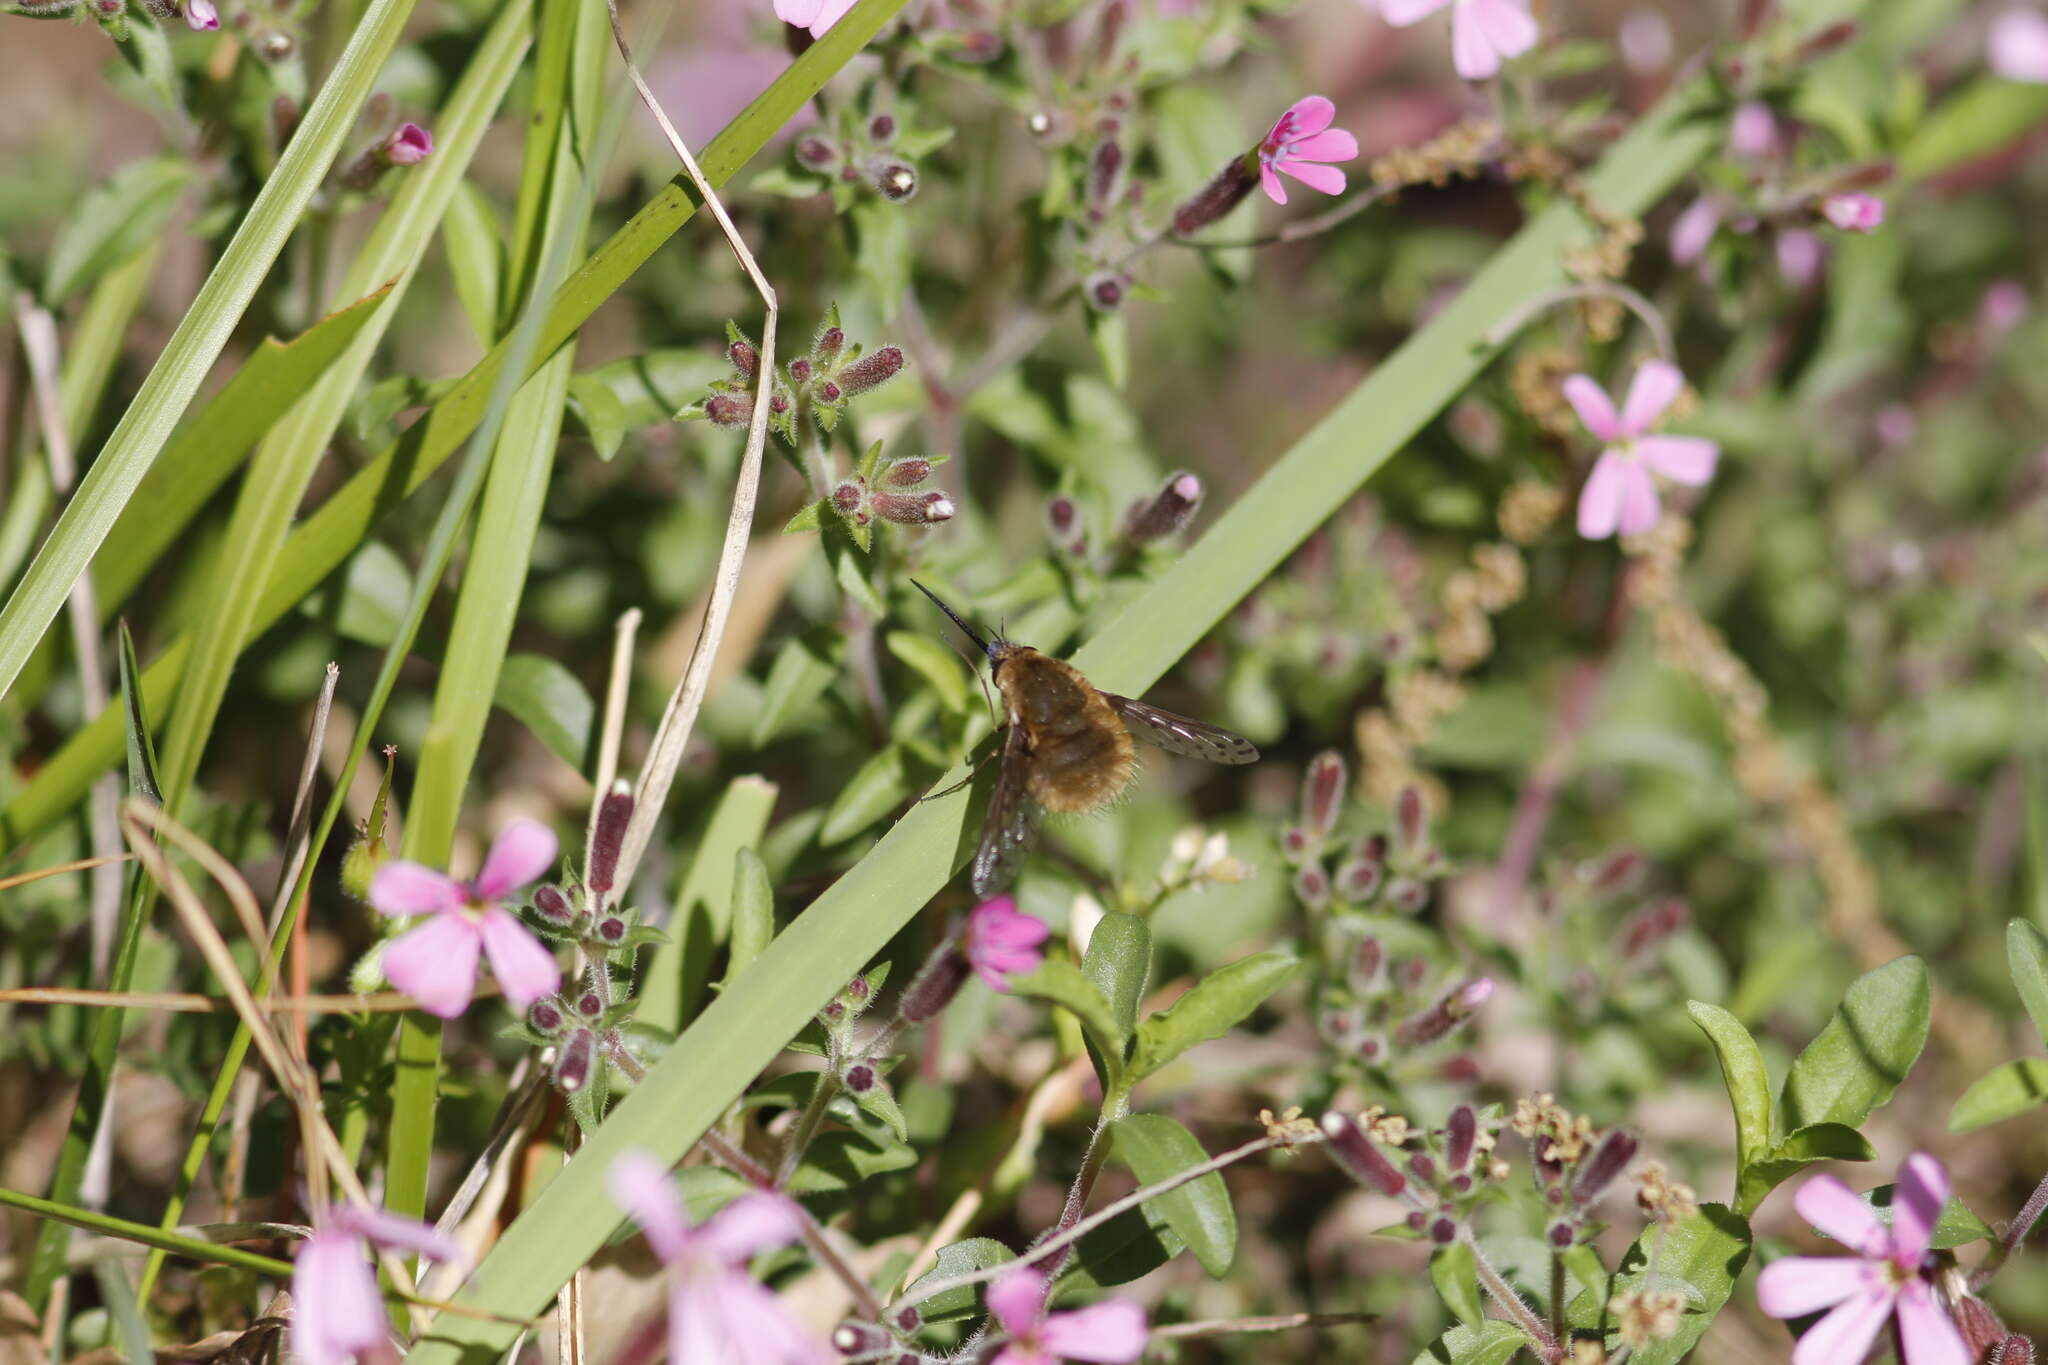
1645, 41
408, 146
1799, 257
1301, 140
436, 963
1621, 492
1484, 33
1001, 940
1694, 229
1853, 212
1109, 1333
201, 16
716, 1311
2003, 307
337, 1313
816, 15
2017, 46
1753, 133
1883, 1280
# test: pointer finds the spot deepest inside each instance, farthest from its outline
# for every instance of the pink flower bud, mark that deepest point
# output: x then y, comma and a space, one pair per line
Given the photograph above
827, 347
201, 15
1222, 194
743, 357
881, 128
934, 987
551, 905
1753, 132
1312, 886
875, 368
573, 1062
895, 180
908, 473
1461, 1136
408, 146
546, 1018
614, 813
611, 931
1597, 1172
1322, 792
914, 509
1170, 510
1854, 212
1410, 819
1360, 1156
799, 370
815, 153
729, 409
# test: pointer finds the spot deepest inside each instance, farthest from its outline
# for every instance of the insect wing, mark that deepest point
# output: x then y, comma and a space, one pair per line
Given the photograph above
1012, 822
1179, 735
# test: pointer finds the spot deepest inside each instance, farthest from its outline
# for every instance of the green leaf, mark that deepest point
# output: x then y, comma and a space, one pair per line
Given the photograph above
1112, 339
839, 1160
804, 667
1217, 1004
884, 251
475, 246
148, 54
2001, 1093
1492, 1342
957, 1258
809, 517
1456, 1277
673, 981
1704, 1254
552, 702
602, 415
881, 1103
877, 787
753, 912
935, 663
1983, 117
1119, 962
1817, 1142
1749, 1091
1157, 1148
1859, 1059
141, 748
2026, 950
1059, 981
366, 600
113, 221
1956, 1227
1127, 1247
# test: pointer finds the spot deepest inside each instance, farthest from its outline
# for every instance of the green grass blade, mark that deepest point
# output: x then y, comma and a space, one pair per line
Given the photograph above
197, 343
327, 538
743, 1029
164, 1240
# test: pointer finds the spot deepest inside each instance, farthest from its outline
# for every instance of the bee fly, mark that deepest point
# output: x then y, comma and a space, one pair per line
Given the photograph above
1067, 747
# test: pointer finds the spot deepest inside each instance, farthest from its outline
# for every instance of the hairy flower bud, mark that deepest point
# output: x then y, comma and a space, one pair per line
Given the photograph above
1408, 894
1106, 290
1652, 925
1102, 171
1597, 1172
907, 473
847, 497
2014, 1350
1461, 1136
895, 180
1222, 194
1423, 1165
614, 813
1411, 819
934, 987
409, 145
860, 1339
1062, 518
611, 931
1322, 792
1360, 1156
729, 409
877, 367
861, 1078
817, 154
553, 906
1445, 1015
1443, 1231
914, 509
828, 345
1366, 961
588, 1005
573, 1063
1312, 887
881, 128
1170, 510
546, 1018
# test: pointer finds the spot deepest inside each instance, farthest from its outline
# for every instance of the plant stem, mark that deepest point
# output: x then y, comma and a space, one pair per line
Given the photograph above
1505, 1295
806, 1127
1646, 312
730, 1155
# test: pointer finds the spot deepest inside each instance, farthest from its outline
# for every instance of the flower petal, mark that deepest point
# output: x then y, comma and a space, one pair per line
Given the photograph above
1018, 1300
336, 1313
2017, 46
1799, 257
1639, 506
525, 968
1694, 229
1917, 1201
1472, 53
758, 1329
1328, 179
1682, 459
1309, 114
1656, 386
1507, 26
749, 1225
1595, 409
829, 13
1270, 183
1332, 144
1600, 499
435, 964
1928, 1336
1109, 1333
1794, 1286
521, 853
640, 1184
1845, 1334
1401, 13
1833, 1207
802, 13
401, 887
396, 1230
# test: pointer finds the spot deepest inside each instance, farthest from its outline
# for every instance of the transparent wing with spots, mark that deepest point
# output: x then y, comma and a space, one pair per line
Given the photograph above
1011, 826
1179, 735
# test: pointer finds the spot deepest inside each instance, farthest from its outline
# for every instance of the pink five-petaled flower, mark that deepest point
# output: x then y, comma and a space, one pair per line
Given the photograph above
1484, 33
716, 1311
1854, 212
337, 1313
435, 964
1110, 1333
2017, 46
201, 16
1001, 940
409, 145
1300, 143
816, 15
1620, 492
1882, 1280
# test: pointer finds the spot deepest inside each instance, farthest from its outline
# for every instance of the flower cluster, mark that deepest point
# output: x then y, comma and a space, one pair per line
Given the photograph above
817, 384
871, 151
1396, 867
891, 490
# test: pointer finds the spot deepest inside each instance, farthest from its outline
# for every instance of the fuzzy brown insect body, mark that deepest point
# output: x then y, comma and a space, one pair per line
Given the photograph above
1067, 748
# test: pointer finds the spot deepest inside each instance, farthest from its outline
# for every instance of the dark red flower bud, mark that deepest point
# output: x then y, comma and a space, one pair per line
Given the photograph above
1312, 886
980, 46
816, 153
896, 180
743, 357
799, 370
1616, 872
546, 1018
554, 907
573, 1062
1170, 510
1366, 961
1222, 194
2014, 1350
1322, 792
1597, 1172
1562, 1233
588, 1005
1834, 36
614, 813
1294, 843
1359, 881
827, 392
1461, 1137
1443, 1231
1423, 1165
611, 930
881, 127
1109, 29
1102, 171
1105, 291
1410, 818
729, 409
875, 368
1408, 894
935, 985
1445, 1015
1360, 1156
860, 1078
826, 348
907, 473
914, 509
860, 1339
778, 404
